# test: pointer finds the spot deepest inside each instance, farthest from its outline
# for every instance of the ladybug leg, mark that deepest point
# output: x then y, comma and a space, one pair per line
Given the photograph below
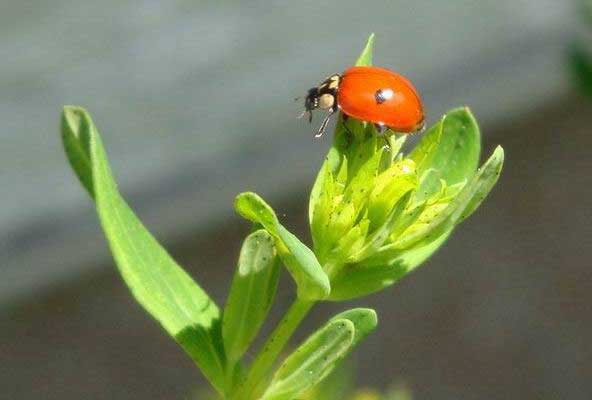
344, 119
323, 126
380, 128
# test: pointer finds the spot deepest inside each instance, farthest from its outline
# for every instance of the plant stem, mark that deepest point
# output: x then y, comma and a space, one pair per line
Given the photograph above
272, 348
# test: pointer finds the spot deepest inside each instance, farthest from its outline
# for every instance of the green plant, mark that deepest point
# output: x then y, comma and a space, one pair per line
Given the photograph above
374, 214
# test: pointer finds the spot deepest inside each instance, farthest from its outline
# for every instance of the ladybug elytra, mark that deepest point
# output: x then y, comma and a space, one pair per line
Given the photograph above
372, 94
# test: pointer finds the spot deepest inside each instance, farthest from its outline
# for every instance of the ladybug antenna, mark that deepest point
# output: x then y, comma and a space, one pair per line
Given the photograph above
303, 113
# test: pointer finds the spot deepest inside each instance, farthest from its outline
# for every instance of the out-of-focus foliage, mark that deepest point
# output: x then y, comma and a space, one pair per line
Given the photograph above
580, 52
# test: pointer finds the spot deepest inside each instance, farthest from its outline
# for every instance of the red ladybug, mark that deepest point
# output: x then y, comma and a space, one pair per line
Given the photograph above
372, 94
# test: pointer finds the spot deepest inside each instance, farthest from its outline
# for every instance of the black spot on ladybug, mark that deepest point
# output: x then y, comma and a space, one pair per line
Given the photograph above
383, 95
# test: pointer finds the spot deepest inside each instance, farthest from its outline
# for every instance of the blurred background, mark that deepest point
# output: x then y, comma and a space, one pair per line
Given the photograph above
195, 104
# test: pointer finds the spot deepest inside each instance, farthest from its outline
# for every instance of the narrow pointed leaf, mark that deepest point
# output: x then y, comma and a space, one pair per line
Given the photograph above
378, 237
356, 193
312, 282
251, 294
390, 186
365, 58
407, 219
358, 280
330, 165
163, 288
352, 243
461, 206
312, 361
320, 354
489, 175
76, 127
336, 386
395, 144
323, 210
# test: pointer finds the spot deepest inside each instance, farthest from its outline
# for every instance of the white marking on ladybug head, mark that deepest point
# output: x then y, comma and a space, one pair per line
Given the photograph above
333, 82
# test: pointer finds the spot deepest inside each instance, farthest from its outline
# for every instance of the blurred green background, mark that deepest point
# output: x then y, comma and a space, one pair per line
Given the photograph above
195, 103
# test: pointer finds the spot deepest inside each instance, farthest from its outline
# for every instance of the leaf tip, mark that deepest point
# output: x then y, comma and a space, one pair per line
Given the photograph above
499, 154
365, 58
75, 119
371, 317
499, 150
243, 197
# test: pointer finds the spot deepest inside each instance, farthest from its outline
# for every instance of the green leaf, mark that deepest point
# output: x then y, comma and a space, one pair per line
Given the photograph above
365, 58
322, 209
252, 207
395, 145
312, 282
163, 288
312, 361
379, 236
340, 222
463, 204
336, 386
251, 294
451, 148
358, 280
76, 130
357, 191
330, 166
352, 243
408, 218
364, 320
390, 186
487, 177
363, 148
319, 355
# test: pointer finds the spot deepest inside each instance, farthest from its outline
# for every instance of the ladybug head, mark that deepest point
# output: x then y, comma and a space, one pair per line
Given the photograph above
322, 96
311, 102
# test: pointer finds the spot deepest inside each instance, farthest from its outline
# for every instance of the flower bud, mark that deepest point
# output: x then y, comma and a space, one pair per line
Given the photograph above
376, 214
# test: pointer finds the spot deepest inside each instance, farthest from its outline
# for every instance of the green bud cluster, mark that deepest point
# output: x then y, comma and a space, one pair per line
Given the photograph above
376, 214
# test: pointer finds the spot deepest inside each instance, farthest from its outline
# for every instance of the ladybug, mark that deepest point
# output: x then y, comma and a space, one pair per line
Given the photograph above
372, 94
